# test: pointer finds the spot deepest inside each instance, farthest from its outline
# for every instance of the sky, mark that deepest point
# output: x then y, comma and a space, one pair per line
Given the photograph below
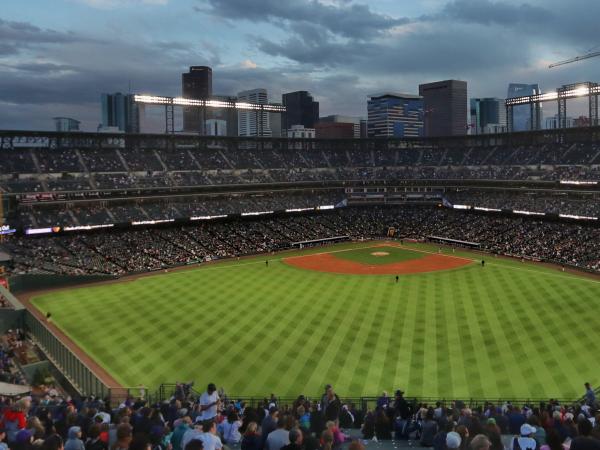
58, 56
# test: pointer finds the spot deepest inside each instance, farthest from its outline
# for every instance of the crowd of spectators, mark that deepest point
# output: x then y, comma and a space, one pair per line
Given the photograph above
98, 213
51, 170
123, 251
554, 203
213, 421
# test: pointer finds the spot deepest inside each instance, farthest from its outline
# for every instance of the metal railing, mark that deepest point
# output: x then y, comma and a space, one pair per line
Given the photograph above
168, 390
78, 373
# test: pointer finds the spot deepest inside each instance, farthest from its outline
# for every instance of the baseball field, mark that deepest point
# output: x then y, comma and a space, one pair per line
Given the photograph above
364, 317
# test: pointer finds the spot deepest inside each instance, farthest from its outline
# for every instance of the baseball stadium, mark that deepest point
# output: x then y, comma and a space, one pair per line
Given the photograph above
455, 269
299, 225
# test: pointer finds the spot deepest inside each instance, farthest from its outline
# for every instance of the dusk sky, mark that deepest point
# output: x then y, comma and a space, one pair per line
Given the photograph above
57, 56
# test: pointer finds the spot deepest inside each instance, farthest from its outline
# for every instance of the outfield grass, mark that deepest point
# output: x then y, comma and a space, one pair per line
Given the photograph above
508, 329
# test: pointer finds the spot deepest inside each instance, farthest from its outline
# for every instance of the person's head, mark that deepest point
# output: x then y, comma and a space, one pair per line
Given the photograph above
429, 414
584, 427
274, 412
296, 436
527, 430
587, 385
453, 440
194, 444
124, 433
300, 411
232, 416
209, 426
327, 439
480, 442
53, 442
211, 388
74, 433
251, 428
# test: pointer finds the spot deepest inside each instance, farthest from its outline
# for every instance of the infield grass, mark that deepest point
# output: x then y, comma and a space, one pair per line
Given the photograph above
509, 329
380, 255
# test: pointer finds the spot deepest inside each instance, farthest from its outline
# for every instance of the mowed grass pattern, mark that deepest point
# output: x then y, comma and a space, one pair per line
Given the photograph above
508, 329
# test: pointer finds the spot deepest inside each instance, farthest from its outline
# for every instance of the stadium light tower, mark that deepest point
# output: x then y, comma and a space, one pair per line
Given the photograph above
170, 102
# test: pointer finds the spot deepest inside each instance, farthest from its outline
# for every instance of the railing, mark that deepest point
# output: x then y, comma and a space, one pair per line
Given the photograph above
167, 391
79, 374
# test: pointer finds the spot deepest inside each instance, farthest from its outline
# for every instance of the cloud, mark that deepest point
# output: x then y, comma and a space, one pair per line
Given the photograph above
113, 4
248, 64
342, 18
488, 12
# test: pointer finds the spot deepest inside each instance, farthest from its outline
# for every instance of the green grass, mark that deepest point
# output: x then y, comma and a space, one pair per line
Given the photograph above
394, 255
509, 329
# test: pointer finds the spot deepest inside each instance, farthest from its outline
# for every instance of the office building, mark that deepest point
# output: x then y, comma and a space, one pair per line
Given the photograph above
354, 121
120, 111
195, 84
488, 115
394, 115
254, 123
522, 114
300, 132
66, 124
445, 107
334, 130
301, 109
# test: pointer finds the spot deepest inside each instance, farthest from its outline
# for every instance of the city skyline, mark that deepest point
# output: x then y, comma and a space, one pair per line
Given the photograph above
57, 62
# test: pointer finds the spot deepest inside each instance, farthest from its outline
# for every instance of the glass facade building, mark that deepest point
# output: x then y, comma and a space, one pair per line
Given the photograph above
394, 115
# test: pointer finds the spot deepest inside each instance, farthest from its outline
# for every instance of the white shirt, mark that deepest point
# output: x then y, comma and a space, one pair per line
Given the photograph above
526, 443
205, 400
189, 436
210, 441
231, 432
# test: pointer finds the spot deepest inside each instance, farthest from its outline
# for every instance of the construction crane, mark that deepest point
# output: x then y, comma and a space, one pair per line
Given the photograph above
577, 58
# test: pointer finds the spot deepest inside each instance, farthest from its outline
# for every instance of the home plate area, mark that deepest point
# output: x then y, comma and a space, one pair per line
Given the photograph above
383, 259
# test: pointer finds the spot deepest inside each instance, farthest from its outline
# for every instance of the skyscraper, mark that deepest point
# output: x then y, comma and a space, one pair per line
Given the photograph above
445, 107
522, 114
195, 84
119, 110
301, 109
487, 115
254, 123
392, 114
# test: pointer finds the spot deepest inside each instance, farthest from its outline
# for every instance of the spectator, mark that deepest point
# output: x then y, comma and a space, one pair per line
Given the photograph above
480, 442
252, 440
295, 439
278, 438
74, 441
584, 441
124, 437
230, 428
177, 436
525, 440
209, 438
209, 402
429, 429
453, 440
590, 395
